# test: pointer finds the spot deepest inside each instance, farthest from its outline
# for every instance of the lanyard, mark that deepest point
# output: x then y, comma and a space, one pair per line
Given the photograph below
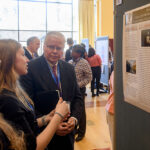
31, 107
58, 83
58, 74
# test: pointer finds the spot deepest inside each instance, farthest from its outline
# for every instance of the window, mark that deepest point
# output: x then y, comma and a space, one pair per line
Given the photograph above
21, 19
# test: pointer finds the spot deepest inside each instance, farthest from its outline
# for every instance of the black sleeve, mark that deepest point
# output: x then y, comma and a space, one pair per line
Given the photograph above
77, 102
4, 142
68, 55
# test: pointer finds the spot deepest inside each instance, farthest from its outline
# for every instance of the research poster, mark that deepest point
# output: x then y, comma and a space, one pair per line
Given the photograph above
136, 57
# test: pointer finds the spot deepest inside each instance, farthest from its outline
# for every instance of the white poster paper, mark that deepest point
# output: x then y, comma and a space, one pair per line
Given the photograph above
136, 57
118, 2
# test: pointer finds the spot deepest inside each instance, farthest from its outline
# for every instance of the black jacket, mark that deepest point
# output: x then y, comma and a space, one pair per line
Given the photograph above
27, 54
68, 55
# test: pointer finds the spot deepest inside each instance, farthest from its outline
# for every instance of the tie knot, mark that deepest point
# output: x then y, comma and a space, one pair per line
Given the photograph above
54, 68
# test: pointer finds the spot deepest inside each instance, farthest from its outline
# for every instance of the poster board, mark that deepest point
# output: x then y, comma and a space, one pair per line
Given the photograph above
86, 42
132, 123
102, 49
136, 57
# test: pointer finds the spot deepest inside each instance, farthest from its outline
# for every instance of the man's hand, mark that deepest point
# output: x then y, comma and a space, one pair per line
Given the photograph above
71, 124
65, 128
62, 129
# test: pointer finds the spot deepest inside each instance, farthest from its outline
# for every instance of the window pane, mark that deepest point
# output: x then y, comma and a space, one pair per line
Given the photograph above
24, 35
76, 37
34, 0
8, 15
59, 17
67, 35
9, 35
75, 16
32, 15
23, 43
63, 1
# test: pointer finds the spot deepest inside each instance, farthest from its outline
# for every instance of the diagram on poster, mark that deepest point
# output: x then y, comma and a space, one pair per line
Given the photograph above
136, 57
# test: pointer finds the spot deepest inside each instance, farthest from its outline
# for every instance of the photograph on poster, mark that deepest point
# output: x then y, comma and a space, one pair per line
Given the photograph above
145, 36
128, 18
131, 66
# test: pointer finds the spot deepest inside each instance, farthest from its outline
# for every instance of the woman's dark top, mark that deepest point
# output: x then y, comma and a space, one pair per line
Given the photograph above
4, 141
19, 117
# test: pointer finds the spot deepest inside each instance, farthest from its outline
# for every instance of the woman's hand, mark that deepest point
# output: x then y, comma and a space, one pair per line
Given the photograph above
62, 107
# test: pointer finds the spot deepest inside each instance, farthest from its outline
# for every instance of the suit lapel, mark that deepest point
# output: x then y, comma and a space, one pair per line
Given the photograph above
62, 78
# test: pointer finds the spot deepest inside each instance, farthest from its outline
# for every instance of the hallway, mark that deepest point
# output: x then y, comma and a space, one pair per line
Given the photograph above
97, 134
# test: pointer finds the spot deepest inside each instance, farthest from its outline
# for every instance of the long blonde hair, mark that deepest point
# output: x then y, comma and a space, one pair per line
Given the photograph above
8, 75
16, 140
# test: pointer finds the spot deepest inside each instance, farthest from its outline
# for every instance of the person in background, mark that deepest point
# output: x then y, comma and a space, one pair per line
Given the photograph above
69, 51
33, 44
9, 137
84, 76
84, 52
95, 63
110, 62
49, 73
110, 108
84, 55
16, 106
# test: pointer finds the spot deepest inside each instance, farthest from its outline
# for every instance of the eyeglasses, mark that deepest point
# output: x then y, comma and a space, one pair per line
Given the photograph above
51, 47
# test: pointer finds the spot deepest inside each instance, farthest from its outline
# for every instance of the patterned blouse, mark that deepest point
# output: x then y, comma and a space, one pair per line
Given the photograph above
83, 71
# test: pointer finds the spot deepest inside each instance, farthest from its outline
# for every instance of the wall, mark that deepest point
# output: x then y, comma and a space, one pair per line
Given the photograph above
106, 18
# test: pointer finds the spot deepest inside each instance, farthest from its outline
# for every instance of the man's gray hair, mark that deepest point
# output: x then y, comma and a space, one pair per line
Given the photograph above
31, 39
55, 34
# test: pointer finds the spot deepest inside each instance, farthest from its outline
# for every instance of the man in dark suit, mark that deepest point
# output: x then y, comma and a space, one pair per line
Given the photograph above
43, 77
33, 44
68, 55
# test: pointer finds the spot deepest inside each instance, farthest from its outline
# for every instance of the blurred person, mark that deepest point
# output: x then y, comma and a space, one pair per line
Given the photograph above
84, 76
95, 63
33, 44
50, 73
69, 51
84, 52
84, 55
110, 108
110, 62
16, 106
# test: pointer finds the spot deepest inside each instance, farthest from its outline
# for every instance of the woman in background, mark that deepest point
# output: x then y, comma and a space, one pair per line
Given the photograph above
16, 106
95, 63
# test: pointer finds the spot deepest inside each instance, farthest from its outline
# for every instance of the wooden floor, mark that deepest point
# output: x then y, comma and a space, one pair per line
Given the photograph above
97, 134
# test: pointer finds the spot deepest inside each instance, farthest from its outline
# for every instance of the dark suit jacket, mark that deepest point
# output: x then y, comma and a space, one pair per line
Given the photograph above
27, 54
39, 79
68, 55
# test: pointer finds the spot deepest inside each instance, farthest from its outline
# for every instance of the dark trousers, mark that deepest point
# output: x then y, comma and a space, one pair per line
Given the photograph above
82, 121
96, 72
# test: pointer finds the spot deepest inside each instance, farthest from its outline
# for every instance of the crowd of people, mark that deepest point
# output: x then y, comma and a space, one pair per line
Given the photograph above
26, 80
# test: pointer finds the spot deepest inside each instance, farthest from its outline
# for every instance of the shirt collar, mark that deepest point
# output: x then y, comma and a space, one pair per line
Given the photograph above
77, 60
